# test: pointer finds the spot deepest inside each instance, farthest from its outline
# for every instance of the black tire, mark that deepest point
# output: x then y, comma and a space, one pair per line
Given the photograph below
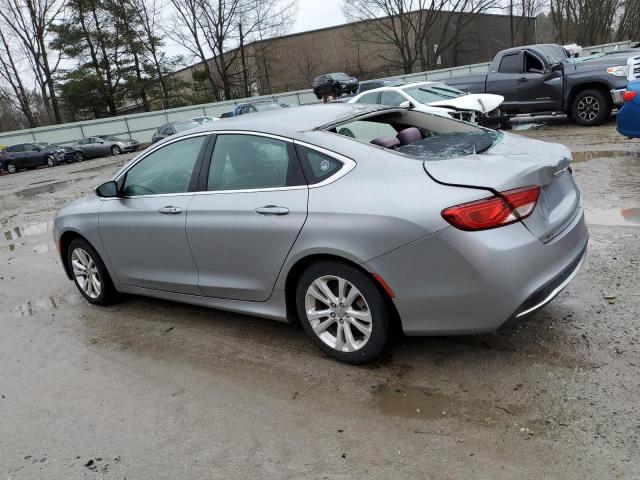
108, 293
590, 108
115, 150
78, 157
318, 96
11, 167
51, 160
374, 301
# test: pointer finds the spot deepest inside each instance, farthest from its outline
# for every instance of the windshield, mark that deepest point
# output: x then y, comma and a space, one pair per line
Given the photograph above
340, 76
552, 53
433, 92
183, 126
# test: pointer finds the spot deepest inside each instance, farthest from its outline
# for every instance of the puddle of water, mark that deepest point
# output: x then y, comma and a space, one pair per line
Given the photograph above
418, 402
614, 216
579, 157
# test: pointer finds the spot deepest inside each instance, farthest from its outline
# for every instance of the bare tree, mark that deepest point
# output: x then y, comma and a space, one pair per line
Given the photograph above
629, 24
31, 21
9, 72
186, 29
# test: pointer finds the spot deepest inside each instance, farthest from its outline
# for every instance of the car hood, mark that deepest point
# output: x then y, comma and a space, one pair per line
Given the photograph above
478, 102
606, 60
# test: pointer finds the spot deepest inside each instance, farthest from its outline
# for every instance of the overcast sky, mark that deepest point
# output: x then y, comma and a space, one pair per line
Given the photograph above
313, 14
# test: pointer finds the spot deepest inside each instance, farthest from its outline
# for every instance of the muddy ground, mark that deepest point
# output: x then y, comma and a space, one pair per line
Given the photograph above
154, 390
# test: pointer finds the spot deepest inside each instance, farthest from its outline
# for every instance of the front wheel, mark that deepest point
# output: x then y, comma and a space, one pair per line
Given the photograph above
115, 150
590, 108
51, 161
78, 157
89, 273
343, 312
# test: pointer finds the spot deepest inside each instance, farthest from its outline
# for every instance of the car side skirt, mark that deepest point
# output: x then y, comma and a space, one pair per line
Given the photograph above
275, 308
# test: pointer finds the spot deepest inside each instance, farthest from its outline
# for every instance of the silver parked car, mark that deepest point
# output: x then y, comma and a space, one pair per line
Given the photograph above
104, 145
346, 217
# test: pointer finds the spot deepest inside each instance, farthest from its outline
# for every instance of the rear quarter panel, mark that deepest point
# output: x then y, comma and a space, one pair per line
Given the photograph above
386, 202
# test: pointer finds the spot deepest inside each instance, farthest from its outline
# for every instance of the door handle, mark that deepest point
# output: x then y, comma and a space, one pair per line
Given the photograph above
170, 210
523, 79
272, 210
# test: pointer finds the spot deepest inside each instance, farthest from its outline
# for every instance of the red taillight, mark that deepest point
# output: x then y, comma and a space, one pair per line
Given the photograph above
497, 211
629, 95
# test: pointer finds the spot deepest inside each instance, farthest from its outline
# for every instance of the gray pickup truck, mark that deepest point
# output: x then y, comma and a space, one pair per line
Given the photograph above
539, 79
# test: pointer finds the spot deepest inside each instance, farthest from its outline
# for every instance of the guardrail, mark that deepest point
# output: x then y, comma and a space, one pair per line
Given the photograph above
143, 125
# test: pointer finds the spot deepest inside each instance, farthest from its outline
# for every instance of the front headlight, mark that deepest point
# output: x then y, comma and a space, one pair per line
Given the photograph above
60, 150
619, 71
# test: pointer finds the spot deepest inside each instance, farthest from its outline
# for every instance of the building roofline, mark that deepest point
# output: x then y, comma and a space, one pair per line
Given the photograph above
323, 29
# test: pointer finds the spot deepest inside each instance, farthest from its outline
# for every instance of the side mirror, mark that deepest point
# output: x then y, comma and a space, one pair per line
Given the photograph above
107, 190
407, 104
38, 149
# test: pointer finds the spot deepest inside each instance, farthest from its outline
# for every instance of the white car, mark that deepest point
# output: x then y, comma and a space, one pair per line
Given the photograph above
205, 119
436, 98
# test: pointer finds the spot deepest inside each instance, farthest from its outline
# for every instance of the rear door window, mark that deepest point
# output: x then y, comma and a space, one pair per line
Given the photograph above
248, 162
370, 98
392, 98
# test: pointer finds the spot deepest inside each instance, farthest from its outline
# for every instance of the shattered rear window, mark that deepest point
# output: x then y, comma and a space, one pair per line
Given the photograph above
450, 145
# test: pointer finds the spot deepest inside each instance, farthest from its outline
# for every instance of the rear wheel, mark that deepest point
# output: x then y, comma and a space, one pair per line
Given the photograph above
89, 273
51, 161
11, 167
590, 107
342, 311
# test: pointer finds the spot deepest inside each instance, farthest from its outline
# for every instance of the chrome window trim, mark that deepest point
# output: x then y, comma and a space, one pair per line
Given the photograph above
348, 165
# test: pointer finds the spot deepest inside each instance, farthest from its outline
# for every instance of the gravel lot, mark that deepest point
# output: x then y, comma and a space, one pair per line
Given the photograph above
152, 390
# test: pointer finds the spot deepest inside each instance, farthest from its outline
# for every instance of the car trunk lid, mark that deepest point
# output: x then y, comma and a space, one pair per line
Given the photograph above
511, 162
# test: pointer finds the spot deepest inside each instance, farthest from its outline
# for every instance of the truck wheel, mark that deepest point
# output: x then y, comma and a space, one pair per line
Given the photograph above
590, 107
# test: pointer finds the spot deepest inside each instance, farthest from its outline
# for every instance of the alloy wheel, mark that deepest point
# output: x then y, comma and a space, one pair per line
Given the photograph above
338, 313
51, 161
11, 168
86, 273
588, 108
78, 157
115, 150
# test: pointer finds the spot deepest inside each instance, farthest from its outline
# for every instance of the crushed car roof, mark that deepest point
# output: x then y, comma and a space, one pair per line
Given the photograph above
291, 122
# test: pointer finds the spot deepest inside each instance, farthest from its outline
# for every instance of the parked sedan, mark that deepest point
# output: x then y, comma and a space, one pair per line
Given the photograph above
104, 145
443, 226
628, 118
475, 108
172, 128
33, 154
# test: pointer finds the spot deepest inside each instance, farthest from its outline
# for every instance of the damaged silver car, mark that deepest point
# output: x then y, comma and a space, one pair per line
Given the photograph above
346, 218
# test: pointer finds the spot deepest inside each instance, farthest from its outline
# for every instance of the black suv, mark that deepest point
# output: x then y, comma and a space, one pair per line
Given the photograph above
335, 84
31, 155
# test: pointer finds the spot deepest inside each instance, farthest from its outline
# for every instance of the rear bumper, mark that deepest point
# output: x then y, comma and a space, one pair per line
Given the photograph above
456, 282
616, 96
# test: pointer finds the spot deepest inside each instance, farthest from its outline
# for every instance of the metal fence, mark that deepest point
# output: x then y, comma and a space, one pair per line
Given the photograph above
142, 125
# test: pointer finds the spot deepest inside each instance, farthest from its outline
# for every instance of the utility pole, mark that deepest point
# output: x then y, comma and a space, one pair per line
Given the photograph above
511, 21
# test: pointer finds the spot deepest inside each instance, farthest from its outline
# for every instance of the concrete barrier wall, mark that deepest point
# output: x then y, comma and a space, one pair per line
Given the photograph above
141, 126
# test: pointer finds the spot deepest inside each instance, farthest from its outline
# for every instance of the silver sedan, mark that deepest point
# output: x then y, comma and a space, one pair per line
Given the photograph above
346, 218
